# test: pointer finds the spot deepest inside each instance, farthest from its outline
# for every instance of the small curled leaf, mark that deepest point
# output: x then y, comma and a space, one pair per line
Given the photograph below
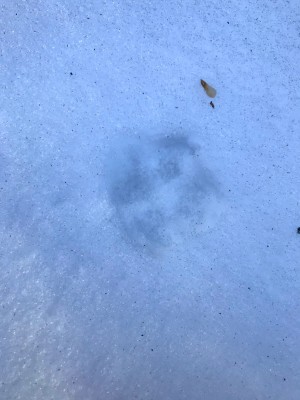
210, 91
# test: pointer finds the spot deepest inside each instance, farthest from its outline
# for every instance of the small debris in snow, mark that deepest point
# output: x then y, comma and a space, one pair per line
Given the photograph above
210, 91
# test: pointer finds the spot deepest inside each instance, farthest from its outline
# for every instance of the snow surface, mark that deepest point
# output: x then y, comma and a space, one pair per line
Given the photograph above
149, 245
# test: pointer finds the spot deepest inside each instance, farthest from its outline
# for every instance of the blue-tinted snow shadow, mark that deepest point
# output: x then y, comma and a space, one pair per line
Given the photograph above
153, 191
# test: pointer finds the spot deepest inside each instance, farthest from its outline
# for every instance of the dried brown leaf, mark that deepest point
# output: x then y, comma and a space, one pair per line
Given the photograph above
210, 91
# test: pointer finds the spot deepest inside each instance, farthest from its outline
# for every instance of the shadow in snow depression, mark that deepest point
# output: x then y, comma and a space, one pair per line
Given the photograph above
159, 189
